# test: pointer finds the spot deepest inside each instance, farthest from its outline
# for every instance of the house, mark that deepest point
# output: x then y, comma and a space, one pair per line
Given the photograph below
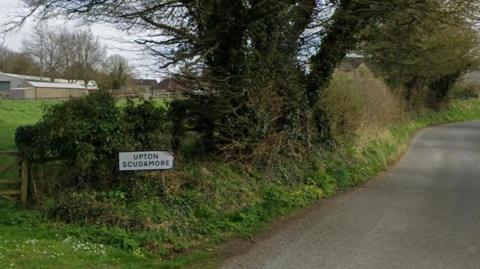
147, 88
176, 87
173, 86
166, 87
146, 84
32, 88
351, 62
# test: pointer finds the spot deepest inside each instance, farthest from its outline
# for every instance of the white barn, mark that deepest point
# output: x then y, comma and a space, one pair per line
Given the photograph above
32, 88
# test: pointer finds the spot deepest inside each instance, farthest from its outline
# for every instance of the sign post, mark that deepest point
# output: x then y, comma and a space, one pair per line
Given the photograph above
145, 161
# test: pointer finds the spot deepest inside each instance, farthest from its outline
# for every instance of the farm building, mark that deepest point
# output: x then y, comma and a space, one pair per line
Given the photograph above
153, 88
173, 86
15, 86
146, 84
176, 87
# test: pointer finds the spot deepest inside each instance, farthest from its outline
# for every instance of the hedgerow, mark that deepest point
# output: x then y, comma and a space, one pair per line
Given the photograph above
203, 200
87, 134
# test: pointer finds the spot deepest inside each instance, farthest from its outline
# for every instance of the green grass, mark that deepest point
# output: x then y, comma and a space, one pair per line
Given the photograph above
224, 202
14, 114
17, 113
26, 242
32, 244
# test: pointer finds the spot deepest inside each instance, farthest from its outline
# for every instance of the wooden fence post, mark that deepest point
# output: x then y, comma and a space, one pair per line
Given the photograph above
25, 175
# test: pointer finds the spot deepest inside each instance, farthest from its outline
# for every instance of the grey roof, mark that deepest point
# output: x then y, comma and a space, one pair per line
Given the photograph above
146, 82
55, 85
92, 85
354, 55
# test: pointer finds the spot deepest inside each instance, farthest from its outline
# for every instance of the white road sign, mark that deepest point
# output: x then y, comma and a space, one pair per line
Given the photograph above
145, 161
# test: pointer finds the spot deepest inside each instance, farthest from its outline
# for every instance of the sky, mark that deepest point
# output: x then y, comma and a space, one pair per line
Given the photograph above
109, 37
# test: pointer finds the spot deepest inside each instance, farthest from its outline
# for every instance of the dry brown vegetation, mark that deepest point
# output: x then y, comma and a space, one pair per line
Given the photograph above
358, 104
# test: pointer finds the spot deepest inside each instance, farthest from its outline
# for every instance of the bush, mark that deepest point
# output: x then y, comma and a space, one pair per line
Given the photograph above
97, 208
464, 90
357, 102
147, 124
12, 215
87, 133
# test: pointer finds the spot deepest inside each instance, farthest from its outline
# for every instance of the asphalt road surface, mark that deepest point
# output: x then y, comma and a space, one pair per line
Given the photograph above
425, 213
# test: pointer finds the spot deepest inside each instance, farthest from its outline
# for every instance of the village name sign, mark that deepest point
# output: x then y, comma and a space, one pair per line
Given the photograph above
145, 161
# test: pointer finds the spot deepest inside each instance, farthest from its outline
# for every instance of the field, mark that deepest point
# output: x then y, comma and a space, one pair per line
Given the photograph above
16, 113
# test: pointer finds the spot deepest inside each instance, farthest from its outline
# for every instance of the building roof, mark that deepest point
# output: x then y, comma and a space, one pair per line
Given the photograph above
56, 85
92, 85
146, 83
351, 62
24, 77
173, 85
354, 55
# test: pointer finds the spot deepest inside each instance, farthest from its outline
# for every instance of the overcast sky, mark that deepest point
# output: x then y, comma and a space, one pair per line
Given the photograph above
107, 35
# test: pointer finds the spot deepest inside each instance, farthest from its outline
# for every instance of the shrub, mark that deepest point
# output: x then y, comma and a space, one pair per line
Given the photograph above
99, 208
87, 133
11, 215
465, 90
357, 102
147, 124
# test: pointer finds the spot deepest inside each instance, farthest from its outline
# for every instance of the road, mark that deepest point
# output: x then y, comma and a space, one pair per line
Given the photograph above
425, 213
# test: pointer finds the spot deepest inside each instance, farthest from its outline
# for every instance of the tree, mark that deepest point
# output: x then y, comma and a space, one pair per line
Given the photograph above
36, 47
425, 57
118, 70
342, 33
68, 44
44, 47
53, 57
73, 55
17, 63
246, 58
90, 53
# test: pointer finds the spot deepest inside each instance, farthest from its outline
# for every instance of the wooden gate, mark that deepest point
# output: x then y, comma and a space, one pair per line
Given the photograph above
7, 185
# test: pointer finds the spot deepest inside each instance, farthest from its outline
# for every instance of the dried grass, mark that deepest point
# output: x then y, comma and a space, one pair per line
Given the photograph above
359, 105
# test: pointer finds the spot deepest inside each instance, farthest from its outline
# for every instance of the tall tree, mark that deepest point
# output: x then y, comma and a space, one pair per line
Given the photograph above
424, 57
68, 44
118, 70
90, 55
36, 46
53, 57
17, 63
342, 33
44, 46
249, 54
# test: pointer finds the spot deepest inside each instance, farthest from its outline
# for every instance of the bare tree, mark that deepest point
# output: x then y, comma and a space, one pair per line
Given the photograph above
44, 47
53, 57
73, 55
4, 54
17, 63
90, 54
68, 52
35, 46
118, 70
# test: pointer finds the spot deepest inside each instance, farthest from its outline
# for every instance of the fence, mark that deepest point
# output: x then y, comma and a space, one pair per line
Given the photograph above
21, 180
